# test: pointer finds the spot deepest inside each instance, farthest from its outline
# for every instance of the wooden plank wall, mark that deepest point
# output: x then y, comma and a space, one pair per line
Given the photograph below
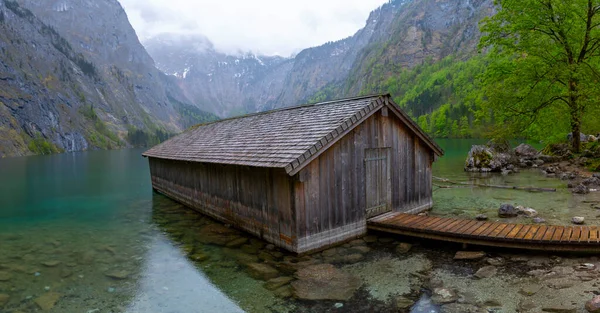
329, 193
258, 200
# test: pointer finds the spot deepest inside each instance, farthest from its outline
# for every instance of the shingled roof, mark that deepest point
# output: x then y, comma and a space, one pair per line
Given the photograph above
286, 138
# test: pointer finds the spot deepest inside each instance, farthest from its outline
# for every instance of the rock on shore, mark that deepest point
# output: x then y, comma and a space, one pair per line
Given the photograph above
500, 158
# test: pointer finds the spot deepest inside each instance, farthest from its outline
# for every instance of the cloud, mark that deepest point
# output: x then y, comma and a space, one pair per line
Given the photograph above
269, 27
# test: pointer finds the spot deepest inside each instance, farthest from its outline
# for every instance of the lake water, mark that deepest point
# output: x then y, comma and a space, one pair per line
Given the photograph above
83, 232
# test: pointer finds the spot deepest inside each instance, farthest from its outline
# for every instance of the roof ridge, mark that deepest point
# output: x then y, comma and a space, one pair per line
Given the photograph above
289, 108
334, 135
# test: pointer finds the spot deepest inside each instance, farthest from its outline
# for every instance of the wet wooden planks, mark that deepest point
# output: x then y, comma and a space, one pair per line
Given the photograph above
533, 237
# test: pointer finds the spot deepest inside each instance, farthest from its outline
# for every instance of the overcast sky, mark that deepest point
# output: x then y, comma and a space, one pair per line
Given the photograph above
268, 27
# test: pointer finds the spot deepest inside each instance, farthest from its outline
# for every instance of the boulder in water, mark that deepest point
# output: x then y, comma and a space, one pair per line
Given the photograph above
481, 217
507, 210
581, 189
529, 212
487, 159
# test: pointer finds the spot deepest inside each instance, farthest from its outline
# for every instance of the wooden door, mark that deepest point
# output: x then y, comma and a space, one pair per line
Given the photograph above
378, 189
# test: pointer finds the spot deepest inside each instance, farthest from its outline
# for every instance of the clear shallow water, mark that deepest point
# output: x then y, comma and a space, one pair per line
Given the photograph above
84, 232
555, 207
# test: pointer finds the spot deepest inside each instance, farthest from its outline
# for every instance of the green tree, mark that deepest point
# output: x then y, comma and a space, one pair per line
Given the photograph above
547, 56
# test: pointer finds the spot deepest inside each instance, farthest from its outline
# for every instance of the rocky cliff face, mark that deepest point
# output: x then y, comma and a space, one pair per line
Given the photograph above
401, 33
422, 29
74, 77
330, 64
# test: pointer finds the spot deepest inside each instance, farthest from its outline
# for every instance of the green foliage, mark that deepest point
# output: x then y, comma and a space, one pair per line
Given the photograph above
39, 145
324, 94
443, 97
546, 64
141, 138
99, 135
191, 115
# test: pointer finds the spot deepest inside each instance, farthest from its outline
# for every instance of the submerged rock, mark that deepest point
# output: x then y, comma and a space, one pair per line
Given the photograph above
403, 303
539, 220
324, 282
329, 252
481, 217
48, 300
469, 255
461, 308
4, 276
526, 305
403, 247
262, 271
359, 249
579, 220
559, 308
51, 263
593, 305
507, 210
217, 234
486, 271
3, 299
530, 290
443, 295
498, 261
352, 258
117, 274
283, 292
370, 239
236, 242
276, 283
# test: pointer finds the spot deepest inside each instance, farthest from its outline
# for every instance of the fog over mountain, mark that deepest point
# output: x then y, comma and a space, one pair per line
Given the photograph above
268, 27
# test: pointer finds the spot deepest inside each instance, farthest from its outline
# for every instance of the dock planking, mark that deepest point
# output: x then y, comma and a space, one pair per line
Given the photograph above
521, 236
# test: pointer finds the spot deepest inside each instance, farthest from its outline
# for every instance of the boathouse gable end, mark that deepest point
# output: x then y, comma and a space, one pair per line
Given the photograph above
302, 178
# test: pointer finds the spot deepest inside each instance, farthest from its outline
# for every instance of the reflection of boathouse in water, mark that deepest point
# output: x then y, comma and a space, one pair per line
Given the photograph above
302, 178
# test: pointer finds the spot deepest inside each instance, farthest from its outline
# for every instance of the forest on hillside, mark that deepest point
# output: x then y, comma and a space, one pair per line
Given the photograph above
535, 76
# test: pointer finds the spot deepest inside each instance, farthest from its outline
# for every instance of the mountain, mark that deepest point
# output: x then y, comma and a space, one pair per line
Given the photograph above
424, 29
401, 34
216, 82
75, 77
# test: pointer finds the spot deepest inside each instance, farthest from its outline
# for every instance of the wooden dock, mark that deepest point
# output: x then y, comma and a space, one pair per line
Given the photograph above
496, 234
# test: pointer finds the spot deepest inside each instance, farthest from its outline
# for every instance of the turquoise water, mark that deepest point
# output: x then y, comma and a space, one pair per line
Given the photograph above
83, 232
555, 207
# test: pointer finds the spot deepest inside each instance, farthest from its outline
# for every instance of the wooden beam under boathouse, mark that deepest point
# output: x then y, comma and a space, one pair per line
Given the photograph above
303, 178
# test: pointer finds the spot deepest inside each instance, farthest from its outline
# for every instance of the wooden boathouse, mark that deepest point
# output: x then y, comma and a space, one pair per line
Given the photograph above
303, 178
